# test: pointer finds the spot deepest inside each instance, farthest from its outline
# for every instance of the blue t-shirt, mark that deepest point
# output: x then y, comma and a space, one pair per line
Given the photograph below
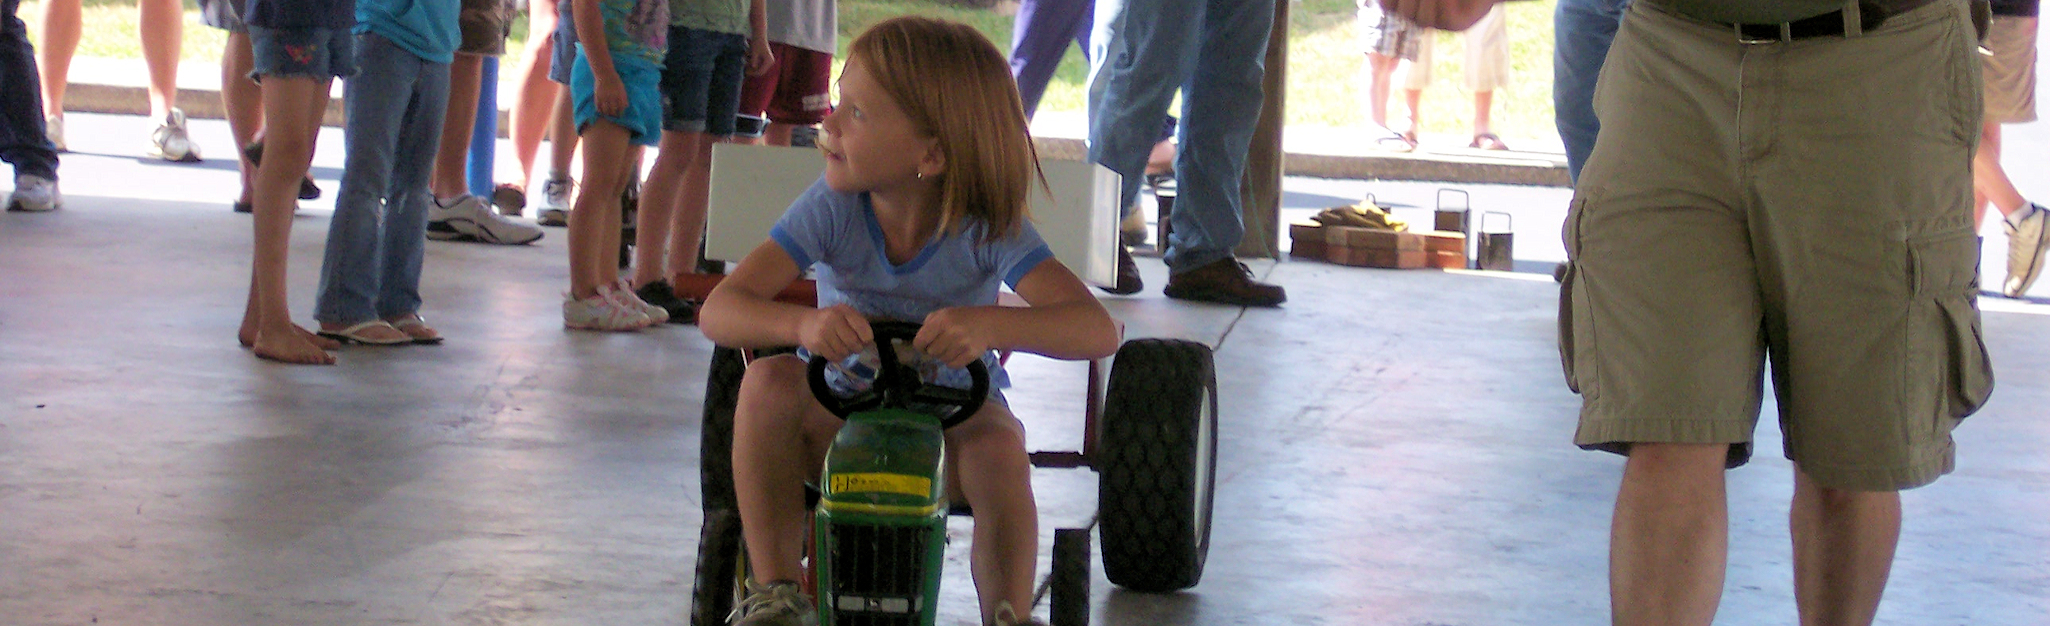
838, 233
426, 28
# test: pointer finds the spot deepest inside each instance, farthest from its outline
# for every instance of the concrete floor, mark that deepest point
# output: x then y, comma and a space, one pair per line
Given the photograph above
1396, 445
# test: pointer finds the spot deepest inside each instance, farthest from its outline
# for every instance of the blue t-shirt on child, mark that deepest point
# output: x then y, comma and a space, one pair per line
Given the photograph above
838, 233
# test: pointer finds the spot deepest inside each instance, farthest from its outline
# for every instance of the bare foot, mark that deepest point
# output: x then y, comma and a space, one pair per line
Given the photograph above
247, 336
292, 348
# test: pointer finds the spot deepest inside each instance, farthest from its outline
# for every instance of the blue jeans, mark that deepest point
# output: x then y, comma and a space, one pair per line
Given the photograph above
1582, 30
1039, 40
1214, 51
374, 243
22, 138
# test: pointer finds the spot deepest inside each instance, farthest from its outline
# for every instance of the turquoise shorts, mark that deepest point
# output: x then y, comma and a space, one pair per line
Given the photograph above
643, 114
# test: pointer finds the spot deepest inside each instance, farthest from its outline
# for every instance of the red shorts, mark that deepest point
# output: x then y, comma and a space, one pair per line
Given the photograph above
794, 90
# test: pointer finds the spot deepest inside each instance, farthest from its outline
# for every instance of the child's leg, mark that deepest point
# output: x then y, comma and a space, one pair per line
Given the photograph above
406, 200
562, 136
780, 434
243, 102
991, 470
629, 167
292, 109
597, 208
659, 200
63, 23
376, 102
162, 26
534, 108
691, 201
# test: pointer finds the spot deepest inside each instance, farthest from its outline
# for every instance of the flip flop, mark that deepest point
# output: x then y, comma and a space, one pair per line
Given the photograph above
1488, 141
416, 327
1394, 141
357, 334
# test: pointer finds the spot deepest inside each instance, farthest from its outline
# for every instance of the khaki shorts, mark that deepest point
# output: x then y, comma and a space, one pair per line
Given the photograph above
1821, 223
485, 24
2011, 71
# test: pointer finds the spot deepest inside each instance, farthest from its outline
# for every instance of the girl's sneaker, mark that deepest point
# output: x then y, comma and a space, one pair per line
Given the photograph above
600, 312
623, 293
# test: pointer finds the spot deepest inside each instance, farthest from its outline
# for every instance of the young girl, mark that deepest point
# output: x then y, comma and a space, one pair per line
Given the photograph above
370, 279
300, 47
919, 216
615, 86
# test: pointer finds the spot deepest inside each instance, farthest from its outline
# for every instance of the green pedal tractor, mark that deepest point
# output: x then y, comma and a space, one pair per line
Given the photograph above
879, 533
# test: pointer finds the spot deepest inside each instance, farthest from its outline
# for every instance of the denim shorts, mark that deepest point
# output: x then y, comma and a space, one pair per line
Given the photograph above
223, 14
316, 53
643, 114
563, 54
701, 79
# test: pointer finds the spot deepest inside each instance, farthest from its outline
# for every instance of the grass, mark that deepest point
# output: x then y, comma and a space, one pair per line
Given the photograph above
1325, 79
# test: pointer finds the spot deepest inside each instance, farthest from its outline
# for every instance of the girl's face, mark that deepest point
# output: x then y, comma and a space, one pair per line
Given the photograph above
870, 143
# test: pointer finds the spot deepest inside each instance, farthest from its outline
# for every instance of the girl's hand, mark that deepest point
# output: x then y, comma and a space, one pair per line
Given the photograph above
759, 57
611, 96
834, 332
955, 336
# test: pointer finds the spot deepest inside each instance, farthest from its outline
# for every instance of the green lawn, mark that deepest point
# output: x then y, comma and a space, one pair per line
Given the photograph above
1325, 65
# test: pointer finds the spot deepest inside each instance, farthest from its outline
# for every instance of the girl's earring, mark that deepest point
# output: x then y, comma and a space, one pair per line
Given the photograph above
921, 175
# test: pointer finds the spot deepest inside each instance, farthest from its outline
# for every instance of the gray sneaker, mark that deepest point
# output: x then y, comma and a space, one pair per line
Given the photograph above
2025, 247
555, 202
469, 218
35, 194
774, 604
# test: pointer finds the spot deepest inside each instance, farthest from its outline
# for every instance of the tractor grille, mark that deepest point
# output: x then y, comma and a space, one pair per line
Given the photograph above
878, 574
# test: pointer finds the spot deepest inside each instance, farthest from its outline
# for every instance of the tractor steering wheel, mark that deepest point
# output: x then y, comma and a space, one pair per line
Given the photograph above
898, 385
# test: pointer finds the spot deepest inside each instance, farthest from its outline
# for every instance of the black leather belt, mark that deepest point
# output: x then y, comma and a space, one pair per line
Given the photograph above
1871, 14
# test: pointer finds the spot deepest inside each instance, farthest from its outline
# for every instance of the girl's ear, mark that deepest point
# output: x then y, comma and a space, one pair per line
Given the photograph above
934, 162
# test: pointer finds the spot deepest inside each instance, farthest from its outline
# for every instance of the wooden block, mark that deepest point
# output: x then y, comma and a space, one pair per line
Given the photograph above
1376, 257
1372, 238
1306, 249
1444, 241
1445, 260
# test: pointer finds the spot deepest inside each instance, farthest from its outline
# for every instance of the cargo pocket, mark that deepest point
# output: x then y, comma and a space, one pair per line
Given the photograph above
1576, 328
1948, 366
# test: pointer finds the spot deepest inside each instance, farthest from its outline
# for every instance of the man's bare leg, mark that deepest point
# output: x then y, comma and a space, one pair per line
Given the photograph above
1669, 544
162, 26
465, 77
1843, 551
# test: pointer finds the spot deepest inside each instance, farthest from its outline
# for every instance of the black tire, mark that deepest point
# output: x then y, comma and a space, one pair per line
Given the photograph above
1157, 452
719, 568
722, 571
1070, 577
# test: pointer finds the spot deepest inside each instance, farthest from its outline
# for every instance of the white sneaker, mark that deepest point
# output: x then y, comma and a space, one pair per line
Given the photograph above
2026, 245
34, 193
556, 198
53, 128
624, 294
471, 218
600, 312
170, 141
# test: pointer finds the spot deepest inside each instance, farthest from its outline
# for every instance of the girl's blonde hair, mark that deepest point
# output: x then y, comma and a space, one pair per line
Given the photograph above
955, 86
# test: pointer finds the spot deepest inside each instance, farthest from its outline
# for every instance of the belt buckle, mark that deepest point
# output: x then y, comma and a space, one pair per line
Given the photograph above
1786, 33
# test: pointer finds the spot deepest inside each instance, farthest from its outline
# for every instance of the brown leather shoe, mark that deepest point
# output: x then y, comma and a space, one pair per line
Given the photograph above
1128, 275
1224, 281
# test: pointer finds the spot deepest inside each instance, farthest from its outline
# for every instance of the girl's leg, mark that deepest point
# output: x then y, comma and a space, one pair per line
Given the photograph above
660, 198
562, 135
597, 207
780, 435
292, 109
688, 229
992, 472
405, 220
162, 23
534, 108
62, 25
608, 272
243, 102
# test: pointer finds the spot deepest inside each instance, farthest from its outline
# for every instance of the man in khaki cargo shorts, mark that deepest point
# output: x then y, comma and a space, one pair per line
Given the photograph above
1783, 181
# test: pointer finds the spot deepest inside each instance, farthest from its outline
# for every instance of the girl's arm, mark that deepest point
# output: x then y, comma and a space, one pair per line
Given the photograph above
742, 312
609, 93
1064, 322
